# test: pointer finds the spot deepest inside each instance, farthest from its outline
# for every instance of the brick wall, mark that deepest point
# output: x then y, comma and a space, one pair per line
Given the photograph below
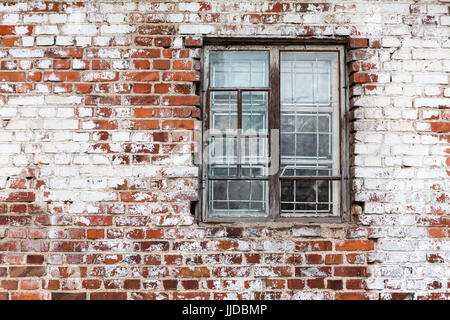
99, 115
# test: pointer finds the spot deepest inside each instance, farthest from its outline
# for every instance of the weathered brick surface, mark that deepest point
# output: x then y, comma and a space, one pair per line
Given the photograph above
99, 115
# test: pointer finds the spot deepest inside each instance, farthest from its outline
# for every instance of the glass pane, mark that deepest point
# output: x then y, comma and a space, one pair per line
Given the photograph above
309, 110
306, 77
254, 156
223, 111
307, 197
309, 126
254, 112
222, 156
238, 197
239, 69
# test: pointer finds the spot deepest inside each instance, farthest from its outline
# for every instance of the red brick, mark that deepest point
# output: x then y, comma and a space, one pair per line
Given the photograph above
355, 245
13, 30
11, 42
178, 124
65, 53
20, 197
142, 100
69, 296
182, 65
142, 88
157, 29
13, 76
161, 64
141, 64
351, 272
442, 126
358, 43
138, 197
143, 53
181, 100
352, 296
143, 41
192, 76
108, 296
144, 124
16, 272
61, 76
162, 88
363, 78
29, 296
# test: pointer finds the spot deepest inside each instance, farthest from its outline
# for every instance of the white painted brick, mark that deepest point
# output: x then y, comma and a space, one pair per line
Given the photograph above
57, 99
55, 18
35, 18
430, 53
10, 148
26, 53
447, 92
6, 136
25, 65
21, 160
65, 112
102, 41
441, 78
79, 64
120, 136
432, 91
390, 42
76, 17
120, 64
83, 41
445, 20
120, 7
431, 102
47, 112
8, 112
117, 29
60, 124
28, 112
25, 100
196, 29
27, 41
64, 41
107, 53
45, 41
44, 64
49, 29
115, 18
11, 18
79, 29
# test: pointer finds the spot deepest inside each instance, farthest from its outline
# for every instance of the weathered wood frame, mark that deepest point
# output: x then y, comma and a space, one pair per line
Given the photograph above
274, 123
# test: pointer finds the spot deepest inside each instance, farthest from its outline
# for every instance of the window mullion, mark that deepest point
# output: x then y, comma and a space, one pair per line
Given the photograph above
274, 139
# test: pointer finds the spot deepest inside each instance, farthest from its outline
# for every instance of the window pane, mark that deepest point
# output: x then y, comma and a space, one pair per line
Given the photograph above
306, 77
306, 137
309, 131
309, 110
254, 112
307, 197
254, 148
239, 69
228, 198
222, 156
254, 156
223, 111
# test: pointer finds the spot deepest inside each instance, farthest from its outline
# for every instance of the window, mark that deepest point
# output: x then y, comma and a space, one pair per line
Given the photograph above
273, 133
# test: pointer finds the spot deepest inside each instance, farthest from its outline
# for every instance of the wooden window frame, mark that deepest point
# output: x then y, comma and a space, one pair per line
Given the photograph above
202, 212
